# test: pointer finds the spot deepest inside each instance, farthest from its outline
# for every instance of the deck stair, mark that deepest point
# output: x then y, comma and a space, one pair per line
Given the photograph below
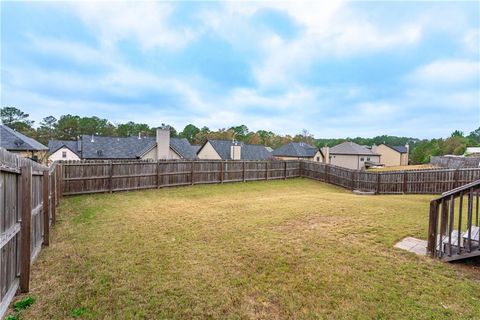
454, 231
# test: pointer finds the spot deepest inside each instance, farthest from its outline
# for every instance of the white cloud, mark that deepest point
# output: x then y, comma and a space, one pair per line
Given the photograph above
145, 23
446, 72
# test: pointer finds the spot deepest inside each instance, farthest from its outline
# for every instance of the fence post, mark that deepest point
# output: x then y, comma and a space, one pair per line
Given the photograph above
222, 163
327, 174
53, 190
25, 227
353, 179
405, 181
455, 179
110, 185
46, 210
60, 182
157, 168
285, 170
266, 170
244, 171
378, 183
192, 173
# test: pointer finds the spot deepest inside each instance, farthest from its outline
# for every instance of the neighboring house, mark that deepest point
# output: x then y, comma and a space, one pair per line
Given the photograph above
299, 151
353, 156
126, 148
232, 150
19, 143
392, 155
63, 150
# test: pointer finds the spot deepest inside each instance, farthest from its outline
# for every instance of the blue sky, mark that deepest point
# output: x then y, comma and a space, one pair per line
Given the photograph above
335, 68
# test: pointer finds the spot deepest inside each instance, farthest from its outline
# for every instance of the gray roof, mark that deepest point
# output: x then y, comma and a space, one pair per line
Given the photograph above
14, 140
349, 147
183, 148
248, 151
400, 149
296, 149
54, 145
121, 147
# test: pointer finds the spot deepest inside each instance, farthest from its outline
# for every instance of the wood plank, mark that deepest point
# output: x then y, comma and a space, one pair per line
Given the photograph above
46, 210
25, 232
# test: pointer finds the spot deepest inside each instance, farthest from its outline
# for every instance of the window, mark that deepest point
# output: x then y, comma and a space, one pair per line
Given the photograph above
64, 154
368, 159
361, 159
318, 158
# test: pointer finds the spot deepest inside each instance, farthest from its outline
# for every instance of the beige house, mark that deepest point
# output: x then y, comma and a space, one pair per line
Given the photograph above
22, 145
392, 155
299, 151
63, 150
353, 156
232, 150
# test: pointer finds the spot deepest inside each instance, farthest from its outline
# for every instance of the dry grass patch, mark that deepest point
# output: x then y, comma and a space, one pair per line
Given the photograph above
401, 168
294, 249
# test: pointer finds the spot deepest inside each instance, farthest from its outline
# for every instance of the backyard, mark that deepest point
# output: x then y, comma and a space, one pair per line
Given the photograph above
258, 250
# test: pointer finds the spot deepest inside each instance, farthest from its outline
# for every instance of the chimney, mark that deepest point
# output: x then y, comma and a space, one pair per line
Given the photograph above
235, 151
93, 140
139, 135
163, 143
408, 147
326, 154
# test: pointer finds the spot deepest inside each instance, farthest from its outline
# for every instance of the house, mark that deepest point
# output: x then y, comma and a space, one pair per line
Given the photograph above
123, 148
299, 151
22, 145
472, 152
63, 150
232, 150
392, 155
353, 156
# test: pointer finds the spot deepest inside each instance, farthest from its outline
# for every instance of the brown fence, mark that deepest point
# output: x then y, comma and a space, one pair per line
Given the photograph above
429, 181
455, 162
29, 193
80, 177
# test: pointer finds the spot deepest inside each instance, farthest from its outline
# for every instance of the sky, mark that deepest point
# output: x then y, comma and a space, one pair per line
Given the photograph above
337, 69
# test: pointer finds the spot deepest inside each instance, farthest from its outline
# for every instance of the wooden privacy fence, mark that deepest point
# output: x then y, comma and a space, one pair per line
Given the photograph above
29, 193
81, 177
455, 162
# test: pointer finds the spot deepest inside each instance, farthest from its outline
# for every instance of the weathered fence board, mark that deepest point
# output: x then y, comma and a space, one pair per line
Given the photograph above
27, 204
455, 162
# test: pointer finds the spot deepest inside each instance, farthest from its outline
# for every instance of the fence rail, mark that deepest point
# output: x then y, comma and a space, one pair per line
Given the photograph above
29, 193
81, 177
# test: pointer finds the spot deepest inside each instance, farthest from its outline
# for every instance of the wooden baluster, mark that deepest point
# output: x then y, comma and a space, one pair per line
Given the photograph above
460, 209
469, 221
450, 225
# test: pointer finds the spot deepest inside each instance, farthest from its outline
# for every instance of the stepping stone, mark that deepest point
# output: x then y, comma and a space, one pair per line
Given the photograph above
414, 245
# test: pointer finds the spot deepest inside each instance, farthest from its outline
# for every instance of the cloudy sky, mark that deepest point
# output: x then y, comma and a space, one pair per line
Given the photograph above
336, 69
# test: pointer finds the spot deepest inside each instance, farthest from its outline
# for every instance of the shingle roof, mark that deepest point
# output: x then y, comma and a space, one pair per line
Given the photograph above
122, 147
54, 145
296, 149
13, 140
349, 147
248, 151
183, 148
401, 149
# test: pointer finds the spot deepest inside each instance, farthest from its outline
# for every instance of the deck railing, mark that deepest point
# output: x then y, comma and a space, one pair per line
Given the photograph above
453, 231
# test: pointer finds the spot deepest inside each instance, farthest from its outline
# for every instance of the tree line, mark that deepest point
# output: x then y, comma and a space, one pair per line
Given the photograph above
70, 127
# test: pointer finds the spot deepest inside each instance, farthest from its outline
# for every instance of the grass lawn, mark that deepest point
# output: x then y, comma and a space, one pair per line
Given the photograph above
295, 249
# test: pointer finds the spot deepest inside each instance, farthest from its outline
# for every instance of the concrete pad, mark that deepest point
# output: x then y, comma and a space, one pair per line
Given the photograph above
414, 245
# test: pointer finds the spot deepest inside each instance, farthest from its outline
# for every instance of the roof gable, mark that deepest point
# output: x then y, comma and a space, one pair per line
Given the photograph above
248, 151
351, 148
14, 140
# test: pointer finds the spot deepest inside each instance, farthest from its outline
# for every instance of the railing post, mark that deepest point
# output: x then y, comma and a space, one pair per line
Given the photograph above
46, 210
432, 228
25, 227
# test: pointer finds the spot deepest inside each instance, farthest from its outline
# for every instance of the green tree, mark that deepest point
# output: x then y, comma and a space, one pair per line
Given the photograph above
17, 120
133, 129
239, 132
189, 132
46, 130
68, 127
173, 132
